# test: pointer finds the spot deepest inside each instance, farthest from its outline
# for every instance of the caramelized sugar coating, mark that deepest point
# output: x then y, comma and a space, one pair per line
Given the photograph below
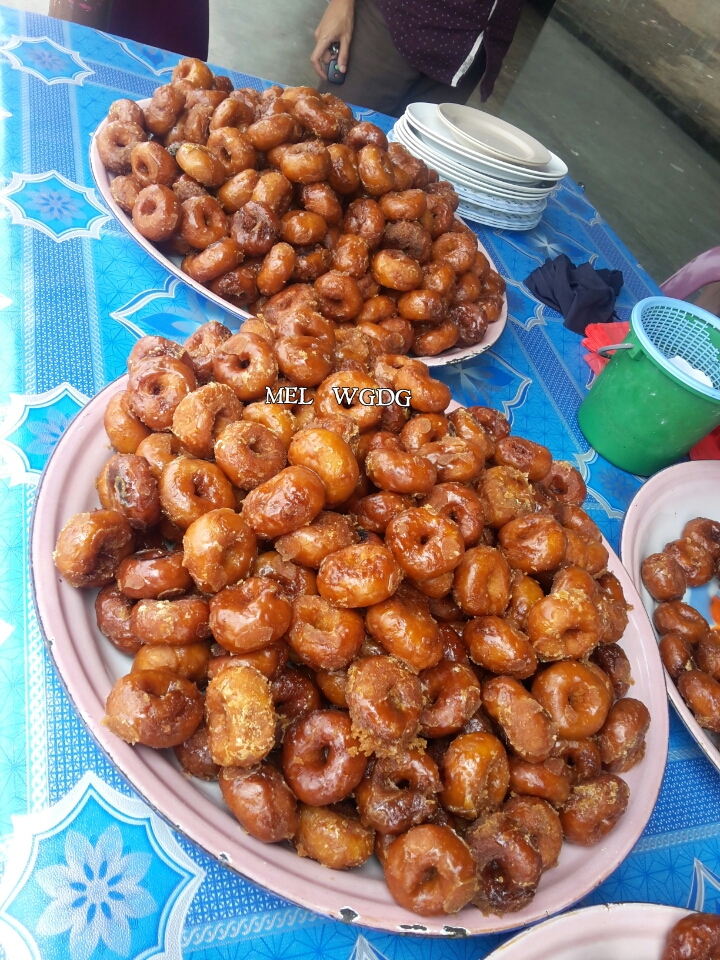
533, 544
333, 837
219, 548
564, 626
524, 455
505, 494
125, 430
706, 533
202, 415
593, 809
482, 582
452, 694
181, 621
330, 457
359, 576
550, 780
126, 484
540, 822
527, 726
248, 616
285, 502
578, 697
496, 645
509, 864
249, 453
681, 618
323, 636
475, 775
677, 654
112, 612
694, 558
261, 800
430, 870
399, 792
240, 716
187, 660
194, 755
321, 759
91, 546
190, 488
153, 707
696, 937
425, 544
702, 694
154, 575
612, 660
385, 702
622, 737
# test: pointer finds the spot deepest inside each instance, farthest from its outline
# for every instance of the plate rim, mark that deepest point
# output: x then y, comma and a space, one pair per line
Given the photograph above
532, 142
498, 164
517, 948
627, 544
162, 784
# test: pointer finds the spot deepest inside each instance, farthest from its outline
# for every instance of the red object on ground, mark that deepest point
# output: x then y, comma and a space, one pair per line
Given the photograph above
707, 449
602, 335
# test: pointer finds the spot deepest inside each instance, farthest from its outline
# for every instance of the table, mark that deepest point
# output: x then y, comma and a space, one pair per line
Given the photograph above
75, 293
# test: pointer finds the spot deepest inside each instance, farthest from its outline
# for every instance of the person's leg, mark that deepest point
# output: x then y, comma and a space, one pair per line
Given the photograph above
427, 90
377, 76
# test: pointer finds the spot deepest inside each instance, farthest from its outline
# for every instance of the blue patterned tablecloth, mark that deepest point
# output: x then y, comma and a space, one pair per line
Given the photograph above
88, 870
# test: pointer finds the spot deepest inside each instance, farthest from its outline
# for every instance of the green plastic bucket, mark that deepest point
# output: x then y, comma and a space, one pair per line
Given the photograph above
643, 412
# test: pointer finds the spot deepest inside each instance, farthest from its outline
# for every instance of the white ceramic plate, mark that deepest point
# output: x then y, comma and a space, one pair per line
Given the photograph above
88, 666
490, 218
103, 179
615, 931
423, 117
456, 170
492, 136
658, 512
505, 204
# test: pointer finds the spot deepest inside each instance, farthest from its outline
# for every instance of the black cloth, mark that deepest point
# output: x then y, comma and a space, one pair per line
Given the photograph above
581, 294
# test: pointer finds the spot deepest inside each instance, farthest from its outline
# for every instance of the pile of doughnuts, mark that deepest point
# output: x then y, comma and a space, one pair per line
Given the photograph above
259, 190
379, 628
690, 650
695, 937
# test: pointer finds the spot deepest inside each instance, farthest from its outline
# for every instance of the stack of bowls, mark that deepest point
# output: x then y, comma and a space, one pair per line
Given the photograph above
502, 175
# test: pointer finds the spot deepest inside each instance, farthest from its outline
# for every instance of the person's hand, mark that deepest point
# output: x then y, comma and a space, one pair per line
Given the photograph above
336, 26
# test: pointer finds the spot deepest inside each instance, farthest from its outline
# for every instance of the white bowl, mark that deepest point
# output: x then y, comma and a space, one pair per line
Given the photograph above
88, 666
492, 136
658, 512
615, 931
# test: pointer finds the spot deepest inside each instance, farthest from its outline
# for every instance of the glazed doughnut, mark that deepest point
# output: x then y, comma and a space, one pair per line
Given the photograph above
482, 582
533, 544
441, 188
505, 494
250, 615
701, 692
164, 109
550, 780
193, 73
124, 429
153, 707
494, 422
201, 346
126, 484
127, 111
438, 218
274, 190
471, 320
288, 500
311, 263
219, 549
343, 174
302, 228
622, 737
458, 249
527, 726
509, 865
180, 621
613, 661
385, 702
275, 417
320, 757
495, 645
376, 169
261, 800
456, 460
565, 626
214, 261
249, 453
203, 222
125, 190
581, 756
115, 144
240, 716
680, 617
706, 533
351, 256
307, 162
112, 612
525, 593
430, 870
349, 385
696, 561
256, 228
156, 387
156, 213
246, 363
467, 289
313, 115
233, 149
231, 113
458, 503
406, 205
395, 270
593, 809
406, 631
475, 775
425, 544
707, 653
366, 219
199, 163
271, 131
540, 822
330, 457
322, 636
295, 580
429, 341
151, 163
334, 837
339, 296
276, 270
184, 660
147, 347
526, 456
452, 694
190, 488
577, 696
696, 936
564, 483
153, 575
235, 192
